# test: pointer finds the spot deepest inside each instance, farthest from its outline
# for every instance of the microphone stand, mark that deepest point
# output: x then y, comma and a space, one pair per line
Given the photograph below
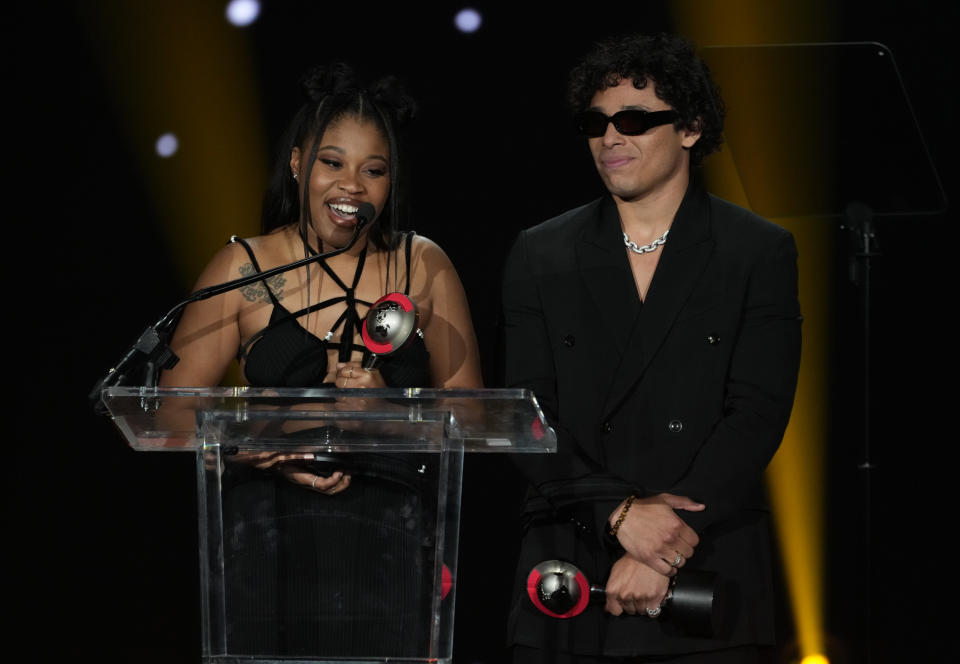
859, 222
151, 349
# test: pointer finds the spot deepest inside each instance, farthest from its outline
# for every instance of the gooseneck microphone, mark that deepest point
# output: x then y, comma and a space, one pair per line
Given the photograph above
364, 215
151, 351
560, 589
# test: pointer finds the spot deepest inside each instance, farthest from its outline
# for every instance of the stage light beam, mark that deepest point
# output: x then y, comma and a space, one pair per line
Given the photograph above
177, 66
815, 659
797, 471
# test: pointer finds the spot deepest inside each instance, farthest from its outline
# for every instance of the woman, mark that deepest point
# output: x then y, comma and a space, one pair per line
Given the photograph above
301, 328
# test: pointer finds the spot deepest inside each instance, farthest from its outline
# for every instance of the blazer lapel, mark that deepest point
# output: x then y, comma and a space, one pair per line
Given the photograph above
605, 273
685, 256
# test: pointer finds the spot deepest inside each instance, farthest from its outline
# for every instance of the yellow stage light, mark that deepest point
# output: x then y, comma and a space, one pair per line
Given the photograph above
796, 477
178, 66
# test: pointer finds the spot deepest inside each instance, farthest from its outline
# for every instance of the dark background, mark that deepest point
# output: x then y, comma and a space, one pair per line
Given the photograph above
101, 541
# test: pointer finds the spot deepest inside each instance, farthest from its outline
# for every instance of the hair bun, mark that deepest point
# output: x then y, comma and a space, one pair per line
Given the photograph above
389, 93
324, 80
338, 78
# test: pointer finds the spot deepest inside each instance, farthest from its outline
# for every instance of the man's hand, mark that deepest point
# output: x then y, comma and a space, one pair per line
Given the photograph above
633, 587
654, 535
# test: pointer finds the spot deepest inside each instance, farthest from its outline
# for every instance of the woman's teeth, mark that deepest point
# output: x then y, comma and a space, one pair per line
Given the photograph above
343, 210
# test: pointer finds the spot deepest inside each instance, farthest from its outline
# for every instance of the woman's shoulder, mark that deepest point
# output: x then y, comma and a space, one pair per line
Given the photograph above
239, 256
267, 250
419, 242
426, 253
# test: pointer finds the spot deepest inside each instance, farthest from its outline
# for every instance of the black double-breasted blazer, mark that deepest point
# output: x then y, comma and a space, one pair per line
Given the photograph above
688, 392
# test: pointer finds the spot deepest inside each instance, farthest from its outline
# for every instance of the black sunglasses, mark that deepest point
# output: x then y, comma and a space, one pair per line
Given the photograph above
629, 123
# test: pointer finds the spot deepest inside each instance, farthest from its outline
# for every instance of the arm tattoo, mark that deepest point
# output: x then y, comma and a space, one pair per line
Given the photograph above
257, 291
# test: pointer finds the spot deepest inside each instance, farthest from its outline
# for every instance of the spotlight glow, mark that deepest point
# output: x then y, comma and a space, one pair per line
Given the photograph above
167, 145
243, 12
468, 20
814, 659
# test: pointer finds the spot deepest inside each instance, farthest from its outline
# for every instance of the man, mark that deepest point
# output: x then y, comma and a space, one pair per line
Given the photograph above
659, 329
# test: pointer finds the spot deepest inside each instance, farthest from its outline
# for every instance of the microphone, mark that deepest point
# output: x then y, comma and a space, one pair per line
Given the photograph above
365, 214
151, 350
561, 590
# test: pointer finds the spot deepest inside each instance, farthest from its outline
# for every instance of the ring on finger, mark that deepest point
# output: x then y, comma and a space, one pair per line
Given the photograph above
676, 561
653, 613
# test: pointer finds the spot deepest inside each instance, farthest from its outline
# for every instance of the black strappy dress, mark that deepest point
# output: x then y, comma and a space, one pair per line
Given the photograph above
309, 573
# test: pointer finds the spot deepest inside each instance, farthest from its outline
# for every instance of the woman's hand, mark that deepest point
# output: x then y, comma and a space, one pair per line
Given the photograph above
336, 482
294, 467
353, 375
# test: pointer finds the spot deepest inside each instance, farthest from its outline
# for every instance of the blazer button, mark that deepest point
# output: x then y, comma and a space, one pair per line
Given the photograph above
580, 526
569, 341
675, 426
713, 339
606, 427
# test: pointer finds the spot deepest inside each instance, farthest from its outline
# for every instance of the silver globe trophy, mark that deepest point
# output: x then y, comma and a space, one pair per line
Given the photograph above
560, 589
389, 326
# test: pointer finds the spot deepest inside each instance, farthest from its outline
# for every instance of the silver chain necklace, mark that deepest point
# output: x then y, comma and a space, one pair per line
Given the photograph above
647, 248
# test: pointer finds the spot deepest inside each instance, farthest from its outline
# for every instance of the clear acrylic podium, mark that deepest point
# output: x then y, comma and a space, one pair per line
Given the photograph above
288, 573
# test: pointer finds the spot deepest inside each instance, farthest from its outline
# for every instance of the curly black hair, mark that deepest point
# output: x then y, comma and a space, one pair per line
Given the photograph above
333, 92
679, 75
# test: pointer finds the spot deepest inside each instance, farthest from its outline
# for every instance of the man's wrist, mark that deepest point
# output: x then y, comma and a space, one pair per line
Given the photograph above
621, 515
